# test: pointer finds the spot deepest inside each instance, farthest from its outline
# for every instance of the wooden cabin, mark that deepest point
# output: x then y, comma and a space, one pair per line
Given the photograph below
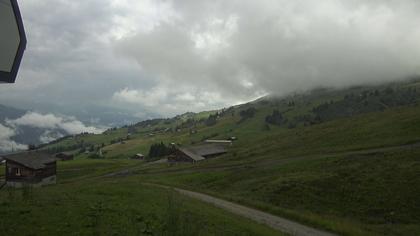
30, 168
138, 156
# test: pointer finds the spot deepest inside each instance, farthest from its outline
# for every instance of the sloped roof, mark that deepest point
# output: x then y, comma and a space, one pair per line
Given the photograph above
191, 154
33, 160
198, 153
208, 149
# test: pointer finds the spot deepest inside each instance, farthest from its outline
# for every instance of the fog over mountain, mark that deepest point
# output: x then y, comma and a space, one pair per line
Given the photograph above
19, 128
165, 57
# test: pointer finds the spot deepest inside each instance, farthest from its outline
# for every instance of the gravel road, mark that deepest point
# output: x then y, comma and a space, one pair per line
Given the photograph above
275, 222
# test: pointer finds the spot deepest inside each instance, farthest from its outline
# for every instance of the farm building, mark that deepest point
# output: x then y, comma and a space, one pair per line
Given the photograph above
30, 168
138, 156
63, 156
197, 153
229, 142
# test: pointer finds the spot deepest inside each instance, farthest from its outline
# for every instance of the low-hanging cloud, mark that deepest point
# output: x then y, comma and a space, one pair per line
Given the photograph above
243, 48
50, 121
132, 54
171, 100
6, 142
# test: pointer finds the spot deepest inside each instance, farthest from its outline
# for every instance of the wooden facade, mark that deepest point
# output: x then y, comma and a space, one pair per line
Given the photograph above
183, 155
30, 169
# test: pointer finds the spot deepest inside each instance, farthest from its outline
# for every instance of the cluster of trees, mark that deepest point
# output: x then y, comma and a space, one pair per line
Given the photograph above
159, 150
150, 122
211, 120
366, 101
247, 113
276, 118
227, 112
307, 119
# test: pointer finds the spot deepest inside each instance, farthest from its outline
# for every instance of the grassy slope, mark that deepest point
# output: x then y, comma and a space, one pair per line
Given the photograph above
82, 205
305, 173
349, 194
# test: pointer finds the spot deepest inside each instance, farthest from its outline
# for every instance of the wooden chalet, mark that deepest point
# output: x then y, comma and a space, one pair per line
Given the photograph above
30, 168
197, 153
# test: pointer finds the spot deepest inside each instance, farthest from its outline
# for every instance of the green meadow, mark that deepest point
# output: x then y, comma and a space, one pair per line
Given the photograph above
88, 203
344, 161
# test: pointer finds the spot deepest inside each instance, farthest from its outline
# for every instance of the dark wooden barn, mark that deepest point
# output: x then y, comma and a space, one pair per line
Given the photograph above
197, 153
30, 168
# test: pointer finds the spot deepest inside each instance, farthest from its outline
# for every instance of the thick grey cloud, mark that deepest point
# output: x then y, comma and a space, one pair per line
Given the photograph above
173, 56
69, 58
245, 48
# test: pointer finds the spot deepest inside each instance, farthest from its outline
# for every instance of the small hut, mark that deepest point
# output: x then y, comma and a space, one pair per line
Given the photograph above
138, 156
30, 168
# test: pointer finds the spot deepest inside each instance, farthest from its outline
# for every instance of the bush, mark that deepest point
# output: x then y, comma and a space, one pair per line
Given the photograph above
212, 120
248, 113
159, 150
276, 118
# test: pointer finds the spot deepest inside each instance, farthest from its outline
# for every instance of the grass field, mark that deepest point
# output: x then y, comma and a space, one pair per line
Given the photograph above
311, 173
373, 194
83, 205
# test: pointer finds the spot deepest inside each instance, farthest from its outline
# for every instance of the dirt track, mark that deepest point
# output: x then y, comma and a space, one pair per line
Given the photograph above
275, 222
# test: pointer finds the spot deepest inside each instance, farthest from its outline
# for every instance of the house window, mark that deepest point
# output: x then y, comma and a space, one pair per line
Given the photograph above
17, 172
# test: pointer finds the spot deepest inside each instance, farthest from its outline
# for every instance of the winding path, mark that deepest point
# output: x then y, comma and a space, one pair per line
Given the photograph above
275, 222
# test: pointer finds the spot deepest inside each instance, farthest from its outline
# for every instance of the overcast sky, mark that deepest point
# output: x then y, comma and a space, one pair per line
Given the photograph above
174, 56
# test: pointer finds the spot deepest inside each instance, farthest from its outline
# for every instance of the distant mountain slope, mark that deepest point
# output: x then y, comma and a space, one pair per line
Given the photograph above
20, 128
255, 120
10, 113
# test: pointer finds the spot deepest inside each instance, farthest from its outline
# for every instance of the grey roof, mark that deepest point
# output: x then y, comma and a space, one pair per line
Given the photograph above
191, 154
208, 149
198, 153
33, 160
